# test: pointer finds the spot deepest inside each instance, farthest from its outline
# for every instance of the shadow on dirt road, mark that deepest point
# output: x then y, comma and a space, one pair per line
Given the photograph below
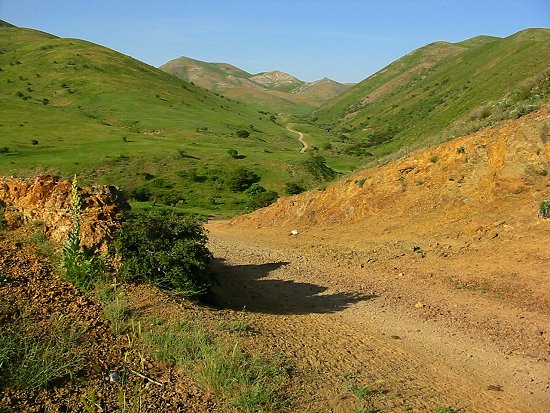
247, 287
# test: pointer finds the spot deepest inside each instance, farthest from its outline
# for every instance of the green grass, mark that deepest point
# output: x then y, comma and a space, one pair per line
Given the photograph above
544, 209
443, 90
239, 379
114, 305
366, 395
447, 409
111, 119
29, 360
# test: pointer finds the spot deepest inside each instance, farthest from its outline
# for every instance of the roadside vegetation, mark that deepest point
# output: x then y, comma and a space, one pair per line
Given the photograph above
169, 252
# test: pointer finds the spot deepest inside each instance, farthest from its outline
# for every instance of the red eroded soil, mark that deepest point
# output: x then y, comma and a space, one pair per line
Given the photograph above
426, 280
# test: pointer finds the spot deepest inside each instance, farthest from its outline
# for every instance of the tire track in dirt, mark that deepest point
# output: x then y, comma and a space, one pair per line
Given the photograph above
334, 335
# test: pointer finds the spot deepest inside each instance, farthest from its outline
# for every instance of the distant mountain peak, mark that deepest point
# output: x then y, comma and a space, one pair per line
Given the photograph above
275, 89
277, 79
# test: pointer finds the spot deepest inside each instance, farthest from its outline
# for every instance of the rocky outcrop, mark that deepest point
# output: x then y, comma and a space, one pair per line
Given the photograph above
47, 200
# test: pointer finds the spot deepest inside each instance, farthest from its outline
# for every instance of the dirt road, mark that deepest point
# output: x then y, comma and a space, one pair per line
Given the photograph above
381, 333
300, 138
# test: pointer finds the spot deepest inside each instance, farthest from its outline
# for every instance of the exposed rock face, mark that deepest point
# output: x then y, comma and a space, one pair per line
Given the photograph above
48, 200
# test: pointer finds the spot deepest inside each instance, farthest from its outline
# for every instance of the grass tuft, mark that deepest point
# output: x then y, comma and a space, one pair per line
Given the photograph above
544, 209
241, 380
31, 361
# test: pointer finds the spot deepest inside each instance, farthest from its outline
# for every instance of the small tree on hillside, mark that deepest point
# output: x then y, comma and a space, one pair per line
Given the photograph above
242, 133
241, 179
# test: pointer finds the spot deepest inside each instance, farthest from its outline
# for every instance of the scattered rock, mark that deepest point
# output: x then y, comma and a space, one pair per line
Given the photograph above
114, 377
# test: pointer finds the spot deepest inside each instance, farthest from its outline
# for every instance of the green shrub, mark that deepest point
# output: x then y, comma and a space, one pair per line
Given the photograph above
317, 166
4, 149
192, 175
292, 188
168, 250
141, 194
161, 183
261, 197
544, 209
243, 133
241, 179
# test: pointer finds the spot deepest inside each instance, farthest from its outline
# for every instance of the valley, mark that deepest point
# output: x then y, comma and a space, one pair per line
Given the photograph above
306, 246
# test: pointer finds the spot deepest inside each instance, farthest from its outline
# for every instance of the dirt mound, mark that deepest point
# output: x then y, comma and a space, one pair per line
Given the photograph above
48, 200
502, 168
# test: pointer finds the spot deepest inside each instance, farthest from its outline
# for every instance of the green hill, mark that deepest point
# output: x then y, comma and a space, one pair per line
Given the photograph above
273, 90
74, 107
440, 91
5, 24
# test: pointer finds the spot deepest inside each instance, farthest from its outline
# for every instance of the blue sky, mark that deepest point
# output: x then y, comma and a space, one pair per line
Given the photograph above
346, 40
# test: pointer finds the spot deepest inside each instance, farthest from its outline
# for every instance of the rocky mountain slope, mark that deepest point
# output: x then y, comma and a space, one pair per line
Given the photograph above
498, 171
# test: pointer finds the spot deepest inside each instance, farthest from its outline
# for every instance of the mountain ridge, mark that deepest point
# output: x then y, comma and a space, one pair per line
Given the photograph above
442, 90
272, 87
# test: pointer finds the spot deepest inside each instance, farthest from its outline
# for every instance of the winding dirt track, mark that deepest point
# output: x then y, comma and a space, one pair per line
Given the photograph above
340, 323
300, 138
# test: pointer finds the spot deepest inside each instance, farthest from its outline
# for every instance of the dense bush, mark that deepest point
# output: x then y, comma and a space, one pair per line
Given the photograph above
241, 179
263, 199
193, 175
317, 166
141, 194
292, 188
243, 133
168, 250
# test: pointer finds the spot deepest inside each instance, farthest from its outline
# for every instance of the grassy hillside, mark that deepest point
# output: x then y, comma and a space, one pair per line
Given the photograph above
5, 24
211, 76
276, 90
440, 91
73, 107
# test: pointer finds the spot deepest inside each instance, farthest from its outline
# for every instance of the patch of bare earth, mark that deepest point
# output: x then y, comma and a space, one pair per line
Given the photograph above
425, 281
